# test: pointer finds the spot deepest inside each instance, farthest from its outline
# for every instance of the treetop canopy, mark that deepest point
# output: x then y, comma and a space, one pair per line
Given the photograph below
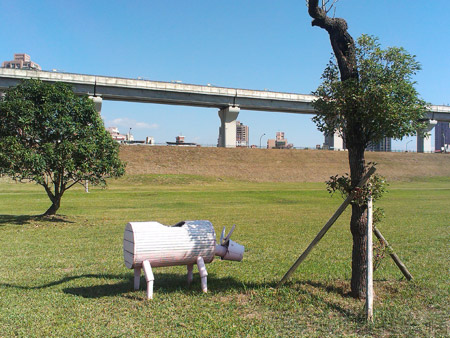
382, 100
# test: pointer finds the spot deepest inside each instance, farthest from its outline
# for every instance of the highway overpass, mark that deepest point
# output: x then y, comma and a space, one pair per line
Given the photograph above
229, 101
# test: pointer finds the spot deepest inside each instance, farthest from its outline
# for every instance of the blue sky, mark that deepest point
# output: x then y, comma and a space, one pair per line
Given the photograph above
245, 44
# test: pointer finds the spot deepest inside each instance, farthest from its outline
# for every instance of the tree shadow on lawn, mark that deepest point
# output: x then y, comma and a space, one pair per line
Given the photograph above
342, 290
28, 219
339, 288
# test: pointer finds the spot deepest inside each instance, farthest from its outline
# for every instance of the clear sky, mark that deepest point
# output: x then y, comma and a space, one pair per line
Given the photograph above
252, 44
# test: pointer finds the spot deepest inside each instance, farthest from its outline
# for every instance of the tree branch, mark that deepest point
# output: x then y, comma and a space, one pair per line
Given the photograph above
73, 183
318, 14
49, 192
341, 41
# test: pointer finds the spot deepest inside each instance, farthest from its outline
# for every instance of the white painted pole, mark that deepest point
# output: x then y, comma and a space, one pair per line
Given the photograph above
369, 288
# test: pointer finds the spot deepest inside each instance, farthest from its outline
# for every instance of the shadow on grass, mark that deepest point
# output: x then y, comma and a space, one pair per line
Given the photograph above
329, 288
164, 283
110, 285
28, 219
65, 280
341, 290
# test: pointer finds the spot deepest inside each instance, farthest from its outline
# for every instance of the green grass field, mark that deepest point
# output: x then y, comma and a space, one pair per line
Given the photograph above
65, 276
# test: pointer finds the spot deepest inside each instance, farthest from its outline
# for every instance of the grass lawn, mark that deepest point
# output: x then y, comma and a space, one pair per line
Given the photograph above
66, 277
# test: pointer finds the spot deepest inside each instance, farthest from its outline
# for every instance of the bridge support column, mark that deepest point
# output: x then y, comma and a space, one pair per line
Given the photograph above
334, 141
97, 102
227, 130
424, 142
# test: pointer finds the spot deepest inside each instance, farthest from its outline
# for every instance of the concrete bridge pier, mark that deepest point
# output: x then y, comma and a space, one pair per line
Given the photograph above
97, 102
334, 141
424, 142
227, 130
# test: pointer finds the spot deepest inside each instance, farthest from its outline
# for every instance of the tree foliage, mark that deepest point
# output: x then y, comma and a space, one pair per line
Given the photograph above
55, 138
375, 187
382, 100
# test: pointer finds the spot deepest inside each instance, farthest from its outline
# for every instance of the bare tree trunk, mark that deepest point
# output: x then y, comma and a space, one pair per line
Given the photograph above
56, 202
358, 226
344, 49
55, 197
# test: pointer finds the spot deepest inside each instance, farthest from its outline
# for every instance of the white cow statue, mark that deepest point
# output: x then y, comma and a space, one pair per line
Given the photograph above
152, 244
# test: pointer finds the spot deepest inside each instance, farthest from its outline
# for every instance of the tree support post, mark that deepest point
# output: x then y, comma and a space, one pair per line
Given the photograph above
326, 227
369, 287
397, 260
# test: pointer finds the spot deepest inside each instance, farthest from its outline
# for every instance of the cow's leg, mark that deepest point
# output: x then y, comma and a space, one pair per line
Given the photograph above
149, 278
190, 276
137, 278
203, 273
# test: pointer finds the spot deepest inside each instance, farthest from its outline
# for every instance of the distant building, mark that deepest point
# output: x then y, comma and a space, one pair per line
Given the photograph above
336, 142
441, 136
279, 142
179, 141
383, 145
21, 61
114, 131
241, 135
270, 144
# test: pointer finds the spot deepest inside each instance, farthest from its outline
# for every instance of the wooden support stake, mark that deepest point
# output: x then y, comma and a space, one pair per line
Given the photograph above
326, 227
369, 277
397, 260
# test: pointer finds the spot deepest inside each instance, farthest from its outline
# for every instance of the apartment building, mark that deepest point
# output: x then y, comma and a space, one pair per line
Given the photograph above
21, 61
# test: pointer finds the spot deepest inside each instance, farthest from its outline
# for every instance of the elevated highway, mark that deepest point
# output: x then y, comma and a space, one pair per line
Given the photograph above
136, 90
229, 101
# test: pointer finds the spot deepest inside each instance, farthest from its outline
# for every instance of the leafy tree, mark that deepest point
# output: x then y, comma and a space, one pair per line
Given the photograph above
55, 138
367, 94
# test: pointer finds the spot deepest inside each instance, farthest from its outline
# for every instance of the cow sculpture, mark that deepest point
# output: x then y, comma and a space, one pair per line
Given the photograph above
151, 244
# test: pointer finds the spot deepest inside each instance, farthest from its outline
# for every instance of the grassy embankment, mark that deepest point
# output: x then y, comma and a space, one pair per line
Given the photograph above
66, 277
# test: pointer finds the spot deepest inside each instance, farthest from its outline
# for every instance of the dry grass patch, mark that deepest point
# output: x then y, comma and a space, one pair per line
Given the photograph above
274, 165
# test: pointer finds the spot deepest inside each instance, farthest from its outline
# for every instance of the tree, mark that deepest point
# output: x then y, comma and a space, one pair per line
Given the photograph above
55, 138
367, 94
